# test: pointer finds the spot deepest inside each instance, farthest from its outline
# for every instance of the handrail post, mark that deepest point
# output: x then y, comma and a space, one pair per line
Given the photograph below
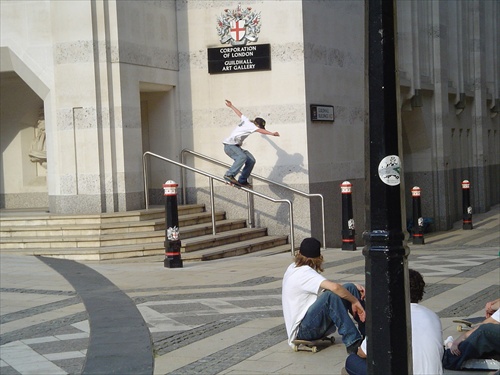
144, 172
251, 210
323, 220
212, 205
292, 233
183, 178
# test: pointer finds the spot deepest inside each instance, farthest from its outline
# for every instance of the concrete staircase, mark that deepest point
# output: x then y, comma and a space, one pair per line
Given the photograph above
132, 234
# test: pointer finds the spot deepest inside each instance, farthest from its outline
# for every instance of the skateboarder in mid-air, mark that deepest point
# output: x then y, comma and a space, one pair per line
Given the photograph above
241, 157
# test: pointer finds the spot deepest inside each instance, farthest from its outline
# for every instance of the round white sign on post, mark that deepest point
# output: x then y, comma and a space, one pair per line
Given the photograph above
389, 170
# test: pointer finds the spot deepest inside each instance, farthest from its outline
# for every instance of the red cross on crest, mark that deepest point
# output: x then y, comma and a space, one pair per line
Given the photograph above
237, 30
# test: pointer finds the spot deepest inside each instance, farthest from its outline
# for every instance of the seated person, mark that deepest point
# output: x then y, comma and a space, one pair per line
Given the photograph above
426, 338
314, 306
483, 341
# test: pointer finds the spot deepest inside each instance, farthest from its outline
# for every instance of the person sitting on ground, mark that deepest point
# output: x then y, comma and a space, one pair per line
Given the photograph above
426, 336
483, 341
313, 307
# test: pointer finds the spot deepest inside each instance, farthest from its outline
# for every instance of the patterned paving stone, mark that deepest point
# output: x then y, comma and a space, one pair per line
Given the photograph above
228, 357
469, 305
180, 316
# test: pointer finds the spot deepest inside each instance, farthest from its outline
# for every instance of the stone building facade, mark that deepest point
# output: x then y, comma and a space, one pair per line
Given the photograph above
87, 86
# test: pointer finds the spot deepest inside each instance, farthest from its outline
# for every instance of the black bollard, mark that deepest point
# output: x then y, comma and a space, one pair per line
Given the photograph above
172, 241
418, 221
348, 229
467, 208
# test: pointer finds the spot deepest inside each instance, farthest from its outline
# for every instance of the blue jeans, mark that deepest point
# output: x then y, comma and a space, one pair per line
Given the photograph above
355, 365
482, 343
330, 311
241, 157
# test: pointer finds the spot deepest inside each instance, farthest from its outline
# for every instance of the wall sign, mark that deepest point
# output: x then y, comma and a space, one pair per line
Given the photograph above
239, 59
321, 112
238, 27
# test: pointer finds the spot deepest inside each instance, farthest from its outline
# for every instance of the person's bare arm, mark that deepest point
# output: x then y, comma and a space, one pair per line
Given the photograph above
361, 353
491, 307
362, 291
454, 345
343, 293
236, 110
266, 132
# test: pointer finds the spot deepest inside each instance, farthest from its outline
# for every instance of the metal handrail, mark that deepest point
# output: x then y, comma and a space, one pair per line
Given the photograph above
299, 192
212, 195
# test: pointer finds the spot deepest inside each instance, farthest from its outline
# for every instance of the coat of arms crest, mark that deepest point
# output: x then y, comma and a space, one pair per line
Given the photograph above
238, 26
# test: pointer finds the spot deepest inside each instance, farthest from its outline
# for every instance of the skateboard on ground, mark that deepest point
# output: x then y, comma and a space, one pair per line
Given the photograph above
312, 346
467, 324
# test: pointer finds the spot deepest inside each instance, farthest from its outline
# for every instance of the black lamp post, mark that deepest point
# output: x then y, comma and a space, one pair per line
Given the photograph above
386, 255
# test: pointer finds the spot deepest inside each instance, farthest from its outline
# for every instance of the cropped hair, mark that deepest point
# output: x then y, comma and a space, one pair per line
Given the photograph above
417, 286
314, 263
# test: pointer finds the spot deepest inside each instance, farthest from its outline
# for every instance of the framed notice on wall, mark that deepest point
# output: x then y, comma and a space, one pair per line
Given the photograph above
321, 112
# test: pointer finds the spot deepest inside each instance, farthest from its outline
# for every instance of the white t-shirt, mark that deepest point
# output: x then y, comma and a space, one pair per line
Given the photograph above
426, 341
496, 315
241, 132
301, 286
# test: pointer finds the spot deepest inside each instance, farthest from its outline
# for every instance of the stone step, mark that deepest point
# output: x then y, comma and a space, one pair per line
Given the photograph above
94, 253
198, 218
131, 234
105, 228
12, 218
206, 228
229, 237
116, 239
264, 245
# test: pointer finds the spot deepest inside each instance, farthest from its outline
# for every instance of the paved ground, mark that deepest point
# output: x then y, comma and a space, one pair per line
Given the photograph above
218, 317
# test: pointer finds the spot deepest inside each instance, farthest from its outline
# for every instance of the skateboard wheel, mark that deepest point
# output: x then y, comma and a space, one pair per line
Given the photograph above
459, 328
314, 349
295, 348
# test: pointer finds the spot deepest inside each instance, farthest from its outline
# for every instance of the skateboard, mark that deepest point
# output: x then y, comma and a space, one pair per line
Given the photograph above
312, 346
237, 185
233, 185
467, 324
